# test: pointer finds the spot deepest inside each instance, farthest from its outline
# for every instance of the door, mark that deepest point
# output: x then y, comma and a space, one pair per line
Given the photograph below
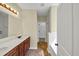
76, 29
42, 30
64, 29
53, 41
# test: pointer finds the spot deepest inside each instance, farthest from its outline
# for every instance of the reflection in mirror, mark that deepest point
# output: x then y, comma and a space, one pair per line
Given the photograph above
3, 25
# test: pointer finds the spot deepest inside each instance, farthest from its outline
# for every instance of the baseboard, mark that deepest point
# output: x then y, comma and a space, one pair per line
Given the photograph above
33, 48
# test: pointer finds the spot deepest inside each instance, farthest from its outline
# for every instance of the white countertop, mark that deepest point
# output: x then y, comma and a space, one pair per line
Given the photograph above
9, 43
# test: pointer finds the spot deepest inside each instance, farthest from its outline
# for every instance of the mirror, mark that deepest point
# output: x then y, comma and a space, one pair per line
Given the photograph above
3, 25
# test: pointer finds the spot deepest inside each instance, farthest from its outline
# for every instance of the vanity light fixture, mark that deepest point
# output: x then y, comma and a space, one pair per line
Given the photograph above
8, 8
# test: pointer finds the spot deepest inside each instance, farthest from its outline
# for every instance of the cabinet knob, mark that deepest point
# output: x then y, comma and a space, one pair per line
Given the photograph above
56, 44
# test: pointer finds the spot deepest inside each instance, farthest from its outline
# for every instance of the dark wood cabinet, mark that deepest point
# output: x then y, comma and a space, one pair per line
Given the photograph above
26, 44
21, 49
13, 52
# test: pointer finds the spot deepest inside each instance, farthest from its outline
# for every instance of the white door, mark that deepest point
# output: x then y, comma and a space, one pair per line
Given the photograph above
64, 29
76, 29
42, 30
53, 41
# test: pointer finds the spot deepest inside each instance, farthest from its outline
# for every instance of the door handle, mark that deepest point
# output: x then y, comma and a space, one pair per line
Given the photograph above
56, 44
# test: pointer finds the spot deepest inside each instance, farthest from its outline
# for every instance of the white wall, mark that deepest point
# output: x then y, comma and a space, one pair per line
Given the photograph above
14, 26
52, 26
42, 18
53, 19
29, 18
14, 23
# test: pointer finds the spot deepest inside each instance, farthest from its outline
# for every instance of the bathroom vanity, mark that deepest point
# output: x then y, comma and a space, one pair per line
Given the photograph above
15, 47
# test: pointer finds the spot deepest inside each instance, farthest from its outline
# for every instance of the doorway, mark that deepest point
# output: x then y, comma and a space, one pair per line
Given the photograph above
42, 44
42, 31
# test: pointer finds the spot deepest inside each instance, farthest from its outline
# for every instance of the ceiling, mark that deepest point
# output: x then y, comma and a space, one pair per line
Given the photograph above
41, 8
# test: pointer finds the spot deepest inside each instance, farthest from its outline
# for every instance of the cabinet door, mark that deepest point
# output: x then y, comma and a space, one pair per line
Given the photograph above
13, 52
21, 49
64, 29
27, 44
76, 29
